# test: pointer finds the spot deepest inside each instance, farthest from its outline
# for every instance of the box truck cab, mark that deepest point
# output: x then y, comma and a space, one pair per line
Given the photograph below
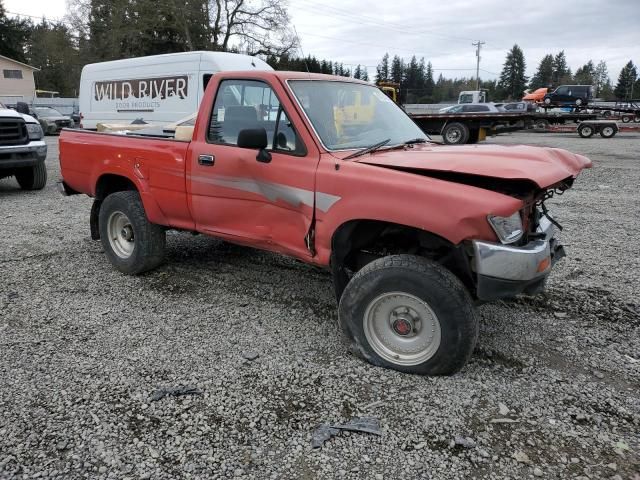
158, 89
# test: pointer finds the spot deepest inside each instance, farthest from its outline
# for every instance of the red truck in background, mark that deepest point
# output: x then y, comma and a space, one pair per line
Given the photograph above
414, 233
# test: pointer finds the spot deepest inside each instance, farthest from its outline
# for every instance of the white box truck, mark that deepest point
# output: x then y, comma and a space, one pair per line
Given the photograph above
158, 89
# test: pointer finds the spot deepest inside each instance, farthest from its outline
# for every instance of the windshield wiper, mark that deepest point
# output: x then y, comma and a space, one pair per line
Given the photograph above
413, 141
370, 149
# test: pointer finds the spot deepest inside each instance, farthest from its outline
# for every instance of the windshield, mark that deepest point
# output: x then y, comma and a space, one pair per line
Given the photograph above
349, 115
47, 112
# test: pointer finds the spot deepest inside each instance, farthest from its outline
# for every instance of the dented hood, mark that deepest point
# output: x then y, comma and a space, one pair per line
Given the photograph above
540, 165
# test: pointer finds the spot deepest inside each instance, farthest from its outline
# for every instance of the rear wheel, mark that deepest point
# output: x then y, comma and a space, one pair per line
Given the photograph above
626, 118
585, 131
455, 134
608, 131
578, 101
547, 101
132, 244
32, 178
409, 314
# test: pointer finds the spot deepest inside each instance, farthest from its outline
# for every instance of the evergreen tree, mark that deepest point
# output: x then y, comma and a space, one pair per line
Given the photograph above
561, 71
365, 74
397, 70
357, 72
14, 35
382, 70
544, 75
585, 75
429, 84
626, 82
601, 78
513, 80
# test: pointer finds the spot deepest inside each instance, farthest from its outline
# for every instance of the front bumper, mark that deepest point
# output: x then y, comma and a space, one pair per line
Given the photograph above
28, 155
505, 271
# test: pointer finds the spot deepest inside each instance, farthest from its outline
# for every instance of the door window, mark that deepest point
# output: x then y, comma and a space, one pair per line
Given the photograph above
562, 90
246, 104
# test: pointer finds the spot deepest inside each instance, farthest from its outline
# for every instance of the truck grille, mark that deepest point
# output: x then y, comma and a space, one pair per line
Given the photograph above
13, 132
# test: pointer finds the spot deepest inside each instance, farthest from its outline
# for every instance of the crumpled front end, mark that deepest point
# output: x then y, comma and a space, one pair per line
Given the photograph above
504, 271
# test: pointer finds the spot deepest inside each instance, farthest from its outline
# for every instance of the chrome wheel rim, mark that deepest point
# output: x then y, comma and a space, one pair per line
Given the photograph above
607, 131
453, 135
402, 329
586, 131
121, 234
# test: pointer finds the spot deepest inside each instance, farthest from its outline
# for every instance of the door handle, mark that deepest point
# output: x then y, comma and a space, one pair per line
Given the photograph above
206, 160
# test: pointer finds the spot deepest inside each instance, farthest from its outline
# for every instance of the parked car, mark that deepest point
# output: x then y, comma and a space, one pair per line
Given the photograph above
22, 149
51, 120
471, 108
536, 96
578, 95
412, 232
515, 107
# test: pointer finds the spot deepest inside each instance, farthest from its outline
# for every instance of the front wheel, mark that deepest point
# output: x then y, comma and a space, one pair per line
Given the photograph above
32, 178
132, 244
585, 131
409, 314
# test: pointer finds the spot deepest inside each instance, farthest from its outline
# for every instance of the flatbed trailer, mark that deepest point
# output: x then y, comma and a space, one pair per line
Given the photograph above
543, 120
460, 128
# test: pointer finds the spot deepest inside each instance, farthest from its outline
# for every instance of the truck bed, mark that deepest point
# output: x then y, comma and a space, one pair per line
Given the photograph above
155, 166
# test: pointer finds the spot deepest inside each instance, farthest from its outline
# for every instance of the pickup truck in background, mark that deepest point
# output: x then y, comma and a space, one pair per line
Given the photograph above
22, 148
414, 233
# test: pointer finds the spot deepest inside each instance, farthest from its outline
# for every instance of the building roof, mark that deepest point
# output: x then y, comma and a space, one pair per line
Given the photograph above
19, 63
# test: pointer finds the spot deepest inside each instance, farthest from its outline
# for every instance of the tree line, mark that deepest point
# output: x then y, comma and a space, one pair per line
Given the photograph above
101, 30
417, 83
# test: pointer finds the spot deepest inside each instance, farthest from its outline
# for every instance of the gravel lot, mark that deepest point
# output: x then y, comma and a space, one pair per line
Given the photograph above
552, 391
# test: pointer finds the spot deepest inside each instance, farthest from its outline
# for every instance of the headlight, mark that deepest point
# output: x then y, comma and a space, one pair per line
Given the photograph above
35, 131
508, 229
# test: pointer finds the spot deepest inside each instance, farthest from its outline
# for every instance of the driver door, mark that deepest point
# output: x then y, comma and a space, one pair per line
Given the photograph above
268, 204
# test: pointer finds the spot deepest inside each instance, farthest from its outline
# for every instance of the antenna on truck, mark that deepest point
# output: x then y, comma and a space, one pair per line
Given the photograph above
304, 59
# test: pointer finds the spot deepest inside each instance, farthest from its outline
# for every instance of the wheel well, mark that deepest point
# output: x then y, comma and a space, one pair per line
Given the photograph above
110, 183
107, 184
358, 242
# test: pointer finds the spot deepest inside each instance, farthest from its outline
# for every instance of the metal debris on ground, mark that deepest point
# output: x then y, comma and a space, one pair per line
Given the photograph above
178, 391
325, 431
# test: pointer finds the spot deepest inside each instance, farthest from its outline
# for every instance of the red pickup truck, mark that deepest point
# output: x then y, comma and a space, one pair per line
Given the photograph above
330, 171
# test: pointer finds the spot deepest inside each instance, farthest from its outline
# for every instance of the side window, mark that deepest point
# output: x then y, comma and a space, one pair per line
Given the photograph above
562, 90
242, 104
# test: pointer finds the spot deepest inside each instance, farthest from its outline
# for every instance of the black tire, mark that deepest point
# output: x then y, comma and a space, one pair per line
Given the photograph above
608, 131
606, 114
542, 124
427, 282
547, 101
637, 119
579, 102
585, 131
455, 133
148, 240
32, 178
626, 118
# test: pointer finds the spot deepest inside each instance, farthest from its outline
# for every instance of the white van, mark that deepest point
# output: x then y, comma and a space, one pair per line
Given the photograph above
159, 89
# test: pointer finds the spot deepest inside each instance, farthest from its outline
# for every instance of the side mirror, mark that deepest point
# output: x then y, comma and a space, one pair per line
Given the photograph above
255, 138
22, 107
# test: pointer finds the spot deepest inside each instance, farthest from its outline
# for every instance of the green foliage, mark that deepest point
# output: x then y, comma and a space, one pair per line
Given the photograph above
14, 36
513, 80
544, 75
626, 87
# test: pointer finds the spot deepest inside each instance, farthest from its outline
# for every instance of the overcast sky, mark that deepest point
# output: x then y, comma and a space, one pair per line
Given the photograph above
358, 31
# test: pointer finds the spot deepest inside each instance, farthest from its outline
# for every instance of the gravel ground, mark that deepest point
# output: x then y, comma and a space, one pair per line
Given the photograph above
552, 390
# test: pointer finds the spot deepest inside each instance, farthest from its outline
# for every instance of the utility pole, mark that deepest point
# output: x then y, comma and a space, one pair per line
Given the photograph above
478, 44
